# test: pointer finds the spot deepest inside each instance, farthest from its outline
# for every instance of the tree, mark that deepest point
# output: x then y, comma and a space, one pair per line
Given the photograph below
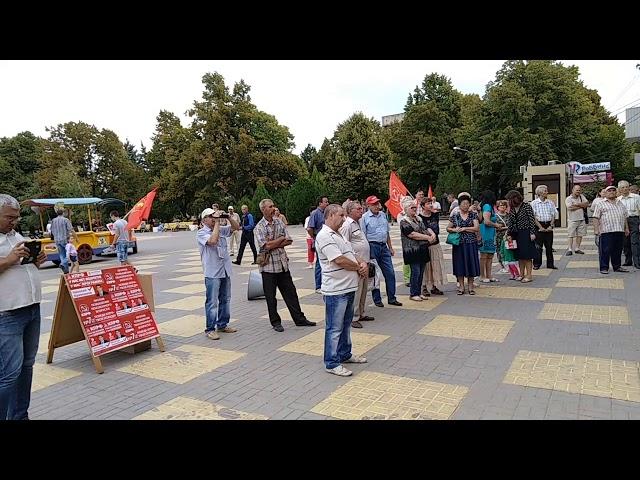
359, 158
308, 155
304, 194
19, 163
453, 180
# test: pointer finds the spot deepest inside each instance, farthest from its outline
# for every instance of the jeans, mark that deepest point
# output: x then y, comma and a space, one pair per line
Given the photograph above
318, 274
337, 339
284, 282
382, 255
62, 251
19, 335
217, 306
611, 249
417, 271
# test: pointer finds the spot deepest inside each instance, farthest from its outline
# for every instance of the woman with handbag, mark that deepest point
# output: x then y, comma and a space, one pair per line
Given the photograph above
415, 246
463, 228
521, 225
434, 271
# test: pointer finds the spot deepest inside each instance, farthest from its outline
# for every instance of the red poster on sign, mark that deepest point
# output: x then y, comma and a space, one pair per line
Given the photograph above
112, 308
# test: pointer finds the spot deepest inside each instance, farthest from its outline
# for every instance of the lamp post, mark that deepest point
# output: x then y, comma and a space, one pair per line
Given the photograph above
470, 164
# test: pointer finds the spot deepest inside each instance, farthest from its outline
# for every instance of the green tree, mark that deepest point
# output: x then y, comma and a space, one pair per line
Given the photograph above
308, 155
453, 180
19, 163
304, 194
359, 160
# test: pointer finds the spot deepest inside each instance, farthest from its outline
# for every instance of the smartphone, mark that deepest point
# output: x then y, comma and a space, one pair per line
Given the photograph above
34, 250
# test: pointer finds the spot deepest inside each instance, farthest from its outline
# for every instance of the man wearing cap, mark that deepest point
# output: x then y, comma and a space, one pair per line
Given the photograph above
216, 264
632, 241
376, 229
610, 226
234, 241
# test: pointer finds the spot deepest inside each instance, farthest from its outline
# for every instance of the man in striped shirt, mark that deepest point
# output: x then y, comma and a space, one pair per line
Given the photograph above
610, 225
61, 230
545, 214
272, 236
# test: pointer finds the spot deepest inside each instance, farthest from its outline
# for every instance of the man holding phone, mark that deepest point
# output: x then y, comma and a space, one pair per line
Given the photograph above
19, 314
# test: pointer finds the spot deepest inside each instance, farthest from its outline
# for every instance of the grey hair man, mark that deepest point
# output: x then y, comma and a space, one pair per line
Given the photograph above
545, 213
19, 314
352, 231
631, 246
576, 225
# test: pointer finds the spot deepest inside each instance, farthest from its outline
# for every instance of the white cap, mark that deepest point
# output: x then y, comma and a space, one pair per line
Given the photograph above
230, 207
206, 212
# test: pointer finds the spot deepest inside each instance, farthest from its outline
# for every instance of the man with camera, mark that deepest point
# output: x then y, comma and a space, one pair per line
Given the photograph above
272, 236
216, 264
19, 313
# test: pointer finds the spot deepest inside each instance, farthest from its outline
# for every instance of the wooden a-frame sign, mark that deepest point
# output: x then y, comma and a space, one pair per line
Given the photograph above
67, 328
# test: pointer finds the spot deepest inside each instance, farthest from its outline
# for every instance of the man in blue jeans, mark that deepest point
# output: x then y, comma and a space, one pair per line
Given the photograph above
19, 314
376, 229
340, 271
61, 230
316, 220
216, 264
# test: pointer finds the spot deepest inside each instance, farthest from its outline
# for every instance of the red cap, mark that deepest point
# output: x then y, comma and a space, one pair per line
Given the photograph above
372, 200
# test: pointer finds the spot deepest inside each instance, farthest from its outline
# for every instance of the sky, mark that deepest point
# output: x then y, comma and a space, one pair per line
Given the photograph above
310, 97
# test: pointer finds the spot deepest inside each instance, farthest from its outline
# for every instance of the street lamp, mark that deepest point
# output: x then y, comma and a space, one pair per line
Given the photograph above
470, 164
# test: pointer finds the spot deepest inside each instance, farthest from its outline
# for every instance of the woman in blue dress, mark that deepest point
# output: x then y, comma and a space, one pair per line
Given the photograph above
465, 255
488, 228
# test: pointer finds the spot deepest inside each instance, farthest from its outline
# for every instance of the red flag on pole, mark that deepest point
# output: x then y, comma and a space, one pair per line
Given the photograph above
397, 191
430, 194
141, 210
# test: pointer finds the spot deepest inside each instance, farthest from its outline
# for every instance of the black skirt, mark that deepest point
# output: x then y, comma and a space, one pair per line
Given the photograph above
526, 247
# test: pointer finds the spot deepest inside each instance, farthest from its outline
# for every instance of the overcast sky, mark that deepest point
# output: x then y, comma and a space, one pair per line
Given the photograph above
310, 97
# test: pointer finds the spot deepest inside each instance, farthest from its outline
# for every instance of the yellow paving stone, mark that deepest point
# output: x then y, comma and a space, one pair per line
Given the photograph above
188, 303
53, 281
606, 283
585, 313
144, 268
194, 277
542, 272
43, 342
583, 264
516, 293
186, 326
49, 289
601, 377
185, 408
315, 313
313, 344
181, 364
470, 328
46, 375
425, 305
369, 396
189, 288
190, 269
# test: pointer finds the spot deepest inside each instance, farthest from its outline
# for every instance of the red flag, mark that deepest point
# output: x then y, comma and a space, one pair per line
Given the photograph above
141, 210
430, 194
397, 191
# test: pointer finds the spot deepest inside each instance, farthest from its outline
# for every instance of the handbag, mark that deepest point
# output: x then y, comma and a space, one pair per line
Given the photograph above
263, 258
453, 238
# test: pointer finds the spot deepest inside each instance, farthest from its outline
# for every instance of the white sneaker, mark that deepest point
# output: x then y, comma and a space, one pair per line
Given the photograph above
355, 359
503, 270
417, 298
340, 371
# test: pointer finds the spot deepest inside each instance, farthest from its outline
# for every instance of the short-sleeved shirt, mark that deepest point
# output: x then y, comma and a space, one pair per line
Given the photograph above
611, 215
544, 211
632, 202
376, 227
120, 228
61, 229
71, 250
352, 232
265, 232
216, 262
316, 220
458, 221
335, 280
20, 284
575, 215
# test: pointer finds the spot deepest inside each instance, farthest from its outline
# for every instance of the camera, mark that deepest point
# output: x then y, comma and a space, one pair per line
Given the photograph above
223, 215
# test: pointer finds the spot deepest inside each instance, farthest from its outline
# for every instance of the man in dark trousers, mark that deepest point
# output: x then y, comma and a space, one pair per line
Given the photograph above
248, 224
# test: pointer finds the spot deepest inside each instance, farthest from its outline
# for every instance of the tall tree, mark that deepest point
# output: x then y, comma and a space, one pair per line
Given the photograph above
19, 163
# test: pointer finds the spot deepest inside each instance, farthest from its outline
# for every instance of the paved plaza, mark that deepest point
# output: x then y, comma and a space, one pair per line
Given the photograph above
563, 347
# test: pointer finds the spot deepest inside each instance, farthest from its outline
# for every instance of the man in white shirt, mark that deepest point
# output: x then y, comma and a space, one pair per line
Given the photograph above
19, 314
435, 206
631, 245
545, 213
576, 226
610, 226
340, 270
353, 232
